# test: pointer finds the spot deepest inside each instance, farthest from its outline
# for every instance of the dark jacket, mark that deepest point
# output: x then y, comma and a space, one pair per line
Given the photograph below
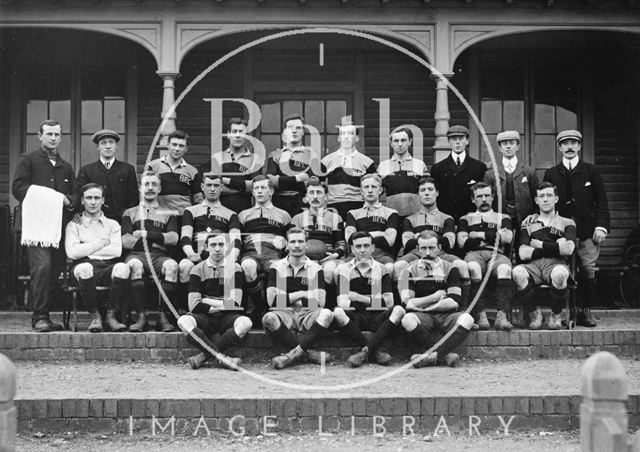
120, 183
525, 182
589, 207
455, 184
35, 168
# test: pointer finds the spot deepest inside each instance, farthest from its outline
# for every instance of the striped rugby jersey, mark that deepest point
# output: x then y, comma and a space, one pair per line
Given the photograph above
179, 184
400, 182
424, 278
161, 226
433, 220
558, 227
239, 170
261, 225
208, 280
283, 277
353, 277
485, 222
344, 173
199, 220
374, 218
325, 227
297, 161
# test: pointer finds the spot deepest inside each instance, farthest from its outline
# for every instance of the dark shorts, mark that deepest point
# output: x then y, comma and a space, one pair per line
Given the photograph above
263, 260
414, 256
482, 258
299, 321
368, 320
540, 269
218, 322
101, 270
158, 258
438, 322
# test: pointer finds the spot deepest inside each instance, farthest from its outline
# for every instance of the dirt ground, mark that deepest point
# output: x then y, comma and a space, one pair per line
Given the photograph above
176, 380
531, 442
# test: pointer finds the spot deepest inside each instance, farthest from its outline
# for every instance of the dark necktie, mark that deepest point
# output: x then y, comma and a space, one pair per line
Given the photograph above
458, 162
570, 167
107, 165
53, 155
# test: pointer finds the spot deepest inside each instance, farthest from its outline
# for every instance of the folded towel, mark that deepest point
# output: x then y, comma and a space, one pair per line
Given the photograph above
42, 217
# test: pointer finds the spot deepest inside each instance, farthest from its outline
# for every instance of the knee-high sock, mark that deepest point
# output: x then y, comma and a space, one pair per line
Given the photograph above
385, 330
331, 297
527, 299
228, 340
479, 306
200, 334
284, 336
182, 298
89, 293
315, 333
119, 289
465, 286
420, 336
352, 330
137, 295
504, 294
256, 304
457, 338
558, 299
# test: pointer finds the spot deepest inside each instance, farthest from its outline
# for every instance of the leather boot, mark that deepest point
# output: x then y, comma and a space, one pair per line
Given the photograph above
165, 325
113, 323
96, 322
141, 323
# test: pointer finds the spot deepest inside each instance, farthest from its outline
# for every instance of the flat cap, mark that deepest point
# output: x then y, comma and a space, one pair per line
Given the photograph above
508, 135
455, 131
105, 133
569, 135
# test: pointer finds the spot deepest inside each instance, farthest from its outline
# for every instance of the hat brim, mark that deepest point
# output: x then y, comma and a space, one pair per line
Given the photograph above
97, 139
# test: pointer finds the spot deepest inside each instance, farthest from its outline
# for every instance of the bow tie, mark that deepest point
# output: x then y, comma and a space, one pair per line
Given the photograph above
53, 155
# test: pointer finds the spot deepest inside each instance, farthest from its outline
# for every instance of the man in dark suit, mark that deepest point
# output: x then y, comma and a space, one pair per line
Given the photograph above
456, 174
583, 198
118, 178
518, 182
46, 168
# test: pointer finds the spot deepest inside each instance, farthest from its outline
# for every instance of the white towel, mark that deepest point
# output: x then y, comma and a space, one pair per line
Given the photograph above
42, 217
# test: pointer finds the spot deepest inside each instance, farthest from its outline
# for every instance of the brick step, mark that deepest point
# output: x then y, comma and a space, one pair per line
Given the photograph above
114, 397
154, 346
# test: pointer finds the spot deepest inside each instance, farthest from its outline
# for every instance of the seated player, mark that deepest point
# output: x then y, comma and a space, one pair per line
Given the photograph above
324, 228
477, 235
380, 222
429, 218
215, 295
197, 223
430, 292
365, 302
547, 240
95, 245
263, 227
159, 229
296, 295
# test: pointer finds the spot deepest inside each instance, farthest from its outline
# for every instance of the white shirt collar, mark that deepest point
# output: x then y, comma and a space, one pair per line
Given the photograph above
462, 156
510, 164
574, 162
110, 162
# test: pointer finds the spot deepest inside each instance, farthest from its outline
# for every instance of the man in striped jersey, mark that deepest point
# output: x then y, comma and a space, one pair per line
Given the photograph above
215, 295
477, 235
296, 296
290, 167
158, 228
400, 174
344, 169
264, 230
547, 240
198, 222
238, 166
365, 302
380, 222
324, 227
180, 185
429, 218
430, 292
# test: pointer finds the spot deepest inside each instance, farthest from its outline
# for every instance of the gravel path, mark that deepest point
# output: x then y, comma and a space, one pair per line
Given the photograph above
149, 380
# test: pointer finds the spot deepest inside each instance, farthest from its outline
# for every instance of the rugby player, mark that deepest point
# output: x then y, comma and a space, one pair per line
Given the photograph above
215, 295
